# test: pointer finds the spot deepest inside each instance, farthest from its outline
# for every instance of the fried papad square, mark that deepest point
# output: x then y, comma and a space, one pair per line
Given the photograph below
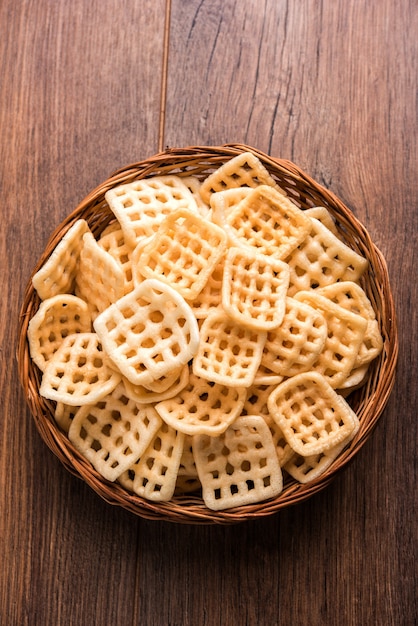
149, 332
254, 288
56, 318
78, 373
243, 170
311, 415
58, 273
114, 432
154, 475
140, 206
202, 407
238, 467
267, 221
183, 253
228, 353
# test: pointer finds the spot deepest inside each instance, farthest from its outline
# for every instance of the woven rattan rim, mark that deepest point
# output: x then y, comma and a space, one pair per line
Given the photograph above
368, 402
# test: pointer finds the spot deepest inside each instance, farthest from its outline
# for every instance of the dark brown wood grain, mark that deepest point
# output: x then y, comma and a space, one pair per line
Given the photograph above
330, 85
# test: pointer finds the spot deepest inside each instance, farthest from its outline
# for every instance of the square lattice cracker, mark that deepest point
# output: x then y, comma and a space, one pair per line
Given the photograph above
266, 221
100, 280
78, 372
149, 332
154, 475
322, 259
113, 433
58, 273
244, 170
228, 353
56, 318
345, 333
202, 407
144, 395
183, 253
254, 288
294, 346
311, 415
238, 467
142, 205
305, 469
352, 297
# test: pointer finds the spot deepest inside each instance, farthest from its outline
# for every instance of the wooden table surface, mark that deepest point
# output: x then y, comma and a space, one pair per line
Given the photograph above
89, 86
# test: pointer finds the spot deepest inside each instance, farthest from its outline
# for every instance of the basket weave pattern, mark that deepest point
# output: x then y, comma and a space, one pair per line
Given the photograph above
368, 401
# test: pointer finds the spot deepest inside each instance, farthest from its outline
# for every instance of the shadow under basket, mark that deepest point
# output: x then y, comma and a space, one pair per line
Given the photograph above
368, 401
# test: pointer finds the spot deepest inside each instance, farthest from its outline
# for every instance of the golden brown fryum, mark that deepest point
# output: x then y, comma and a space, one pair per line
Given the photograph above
58, 273
113, 432
295, 346
266, 221
243, 170
345, 333
153, 476
202, 407
148, 333
240, 466
254, 288
322, 259
78, 373
100, 280
309, 468
142, 395
223, 202
114, 243
140, 206
228, 353
56, 318
183, 253
311, 415
352, 297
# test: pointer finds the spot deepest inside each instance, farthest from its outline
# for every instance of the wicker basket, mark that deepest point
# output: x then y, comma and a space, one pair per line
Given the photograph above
368, 402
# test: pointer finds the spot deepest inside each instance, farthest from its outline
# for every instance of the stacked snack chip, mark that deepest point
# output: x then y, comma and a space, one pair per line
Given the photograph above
207, 339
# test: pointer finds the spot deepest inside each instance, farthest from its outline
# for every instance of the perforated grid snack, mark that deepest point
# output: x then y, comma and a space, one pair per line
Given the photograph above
345, 333
322, 259
311, 415
142, 205
183, 253
267, 221
244, 170
210, 296
202, 407
296, 344
222, 202
114, 243
113, 433
144, 395
305, 469
238, 467
149, 332
56, 318
78, 372
58, 273
254, 288
194, 185
352, 297
228, 353
99, 280
154, 475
